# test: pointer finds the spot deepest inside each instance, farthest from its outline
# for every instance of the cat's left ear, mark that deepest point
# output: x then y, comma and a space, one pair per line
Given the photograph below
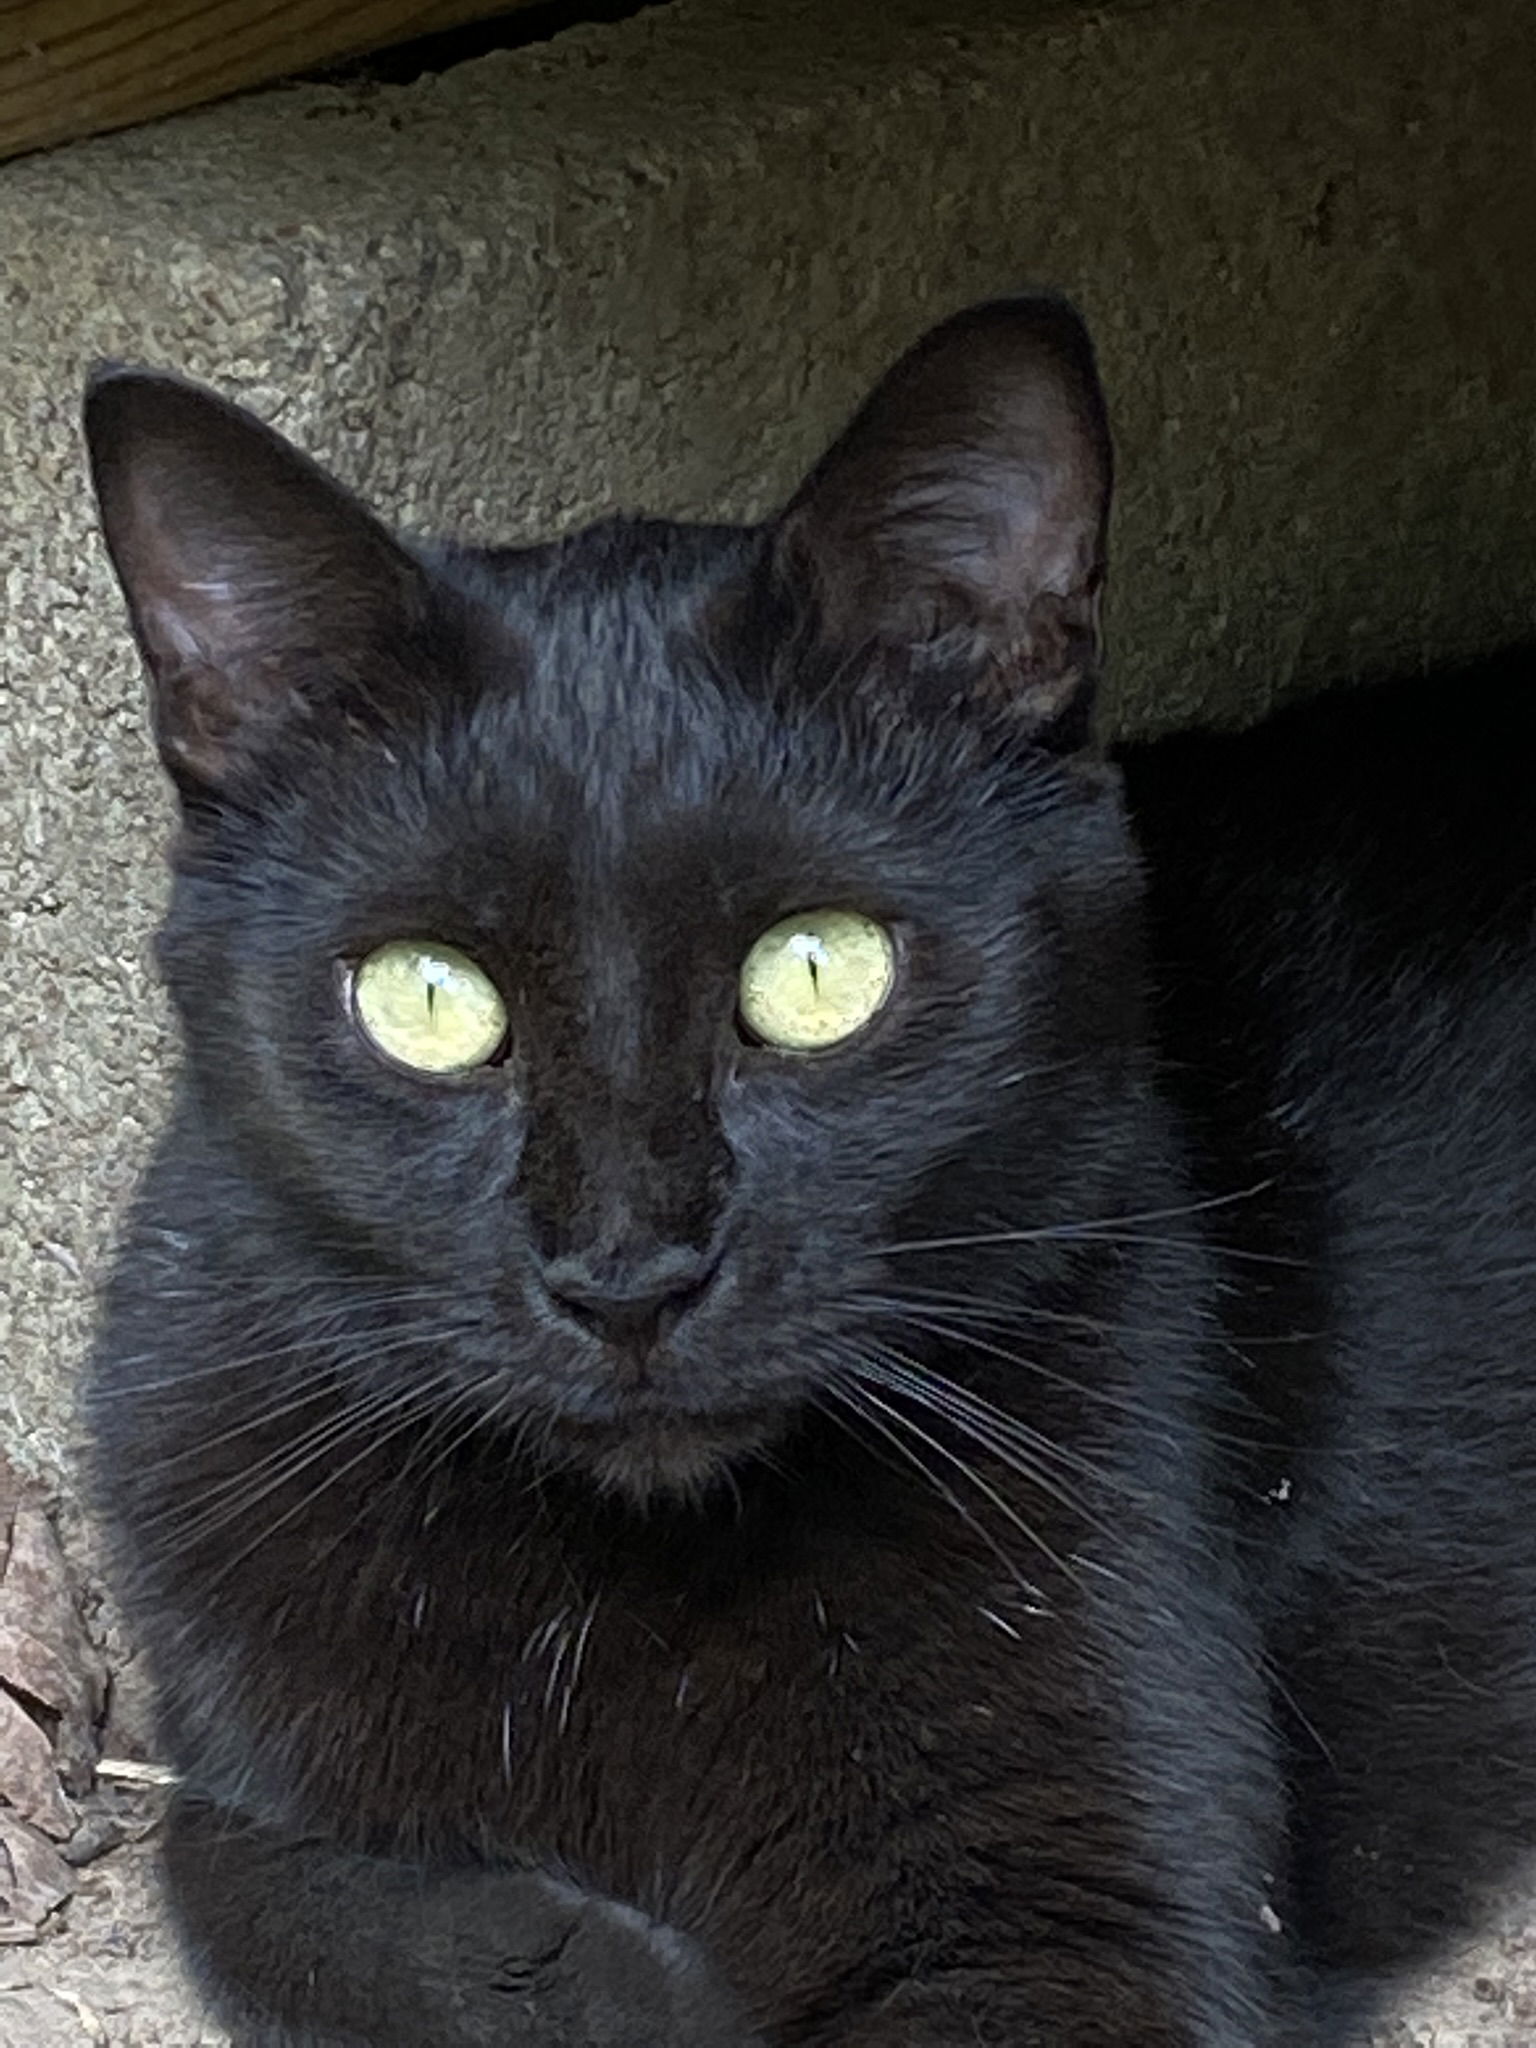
959, 523
264, 597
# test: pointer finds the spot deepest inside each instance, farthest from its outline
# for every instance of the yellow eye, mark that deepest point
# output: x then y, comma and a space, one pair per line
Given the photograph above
428, 1006
812, 981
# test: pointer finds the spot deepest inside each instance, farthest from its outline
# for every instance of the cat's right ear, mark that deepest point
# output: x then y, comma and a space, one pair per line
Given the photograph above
262, 595
957, 528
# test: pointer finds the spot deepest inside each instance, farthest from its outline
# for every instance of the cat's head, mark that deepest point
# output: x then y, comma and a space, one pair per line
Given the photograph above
611, 953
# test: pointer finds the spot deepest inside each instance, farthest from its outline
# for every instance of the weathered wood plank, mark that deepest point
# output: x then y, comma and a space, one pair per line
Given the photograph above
75, 67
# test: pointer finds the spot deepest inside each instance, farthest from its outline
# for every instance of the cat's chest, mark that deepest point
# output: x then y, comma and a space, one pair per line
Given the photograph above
777, 1760
790, 1741
691, 1747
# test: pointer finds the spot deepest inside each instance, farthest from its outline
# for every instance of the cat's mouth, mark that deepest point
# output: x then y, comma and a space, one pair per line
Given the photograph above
655, 1454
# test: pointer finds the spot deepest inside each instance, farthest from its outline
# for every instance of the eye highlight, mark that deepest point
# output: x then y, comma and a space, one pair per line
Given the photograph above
428, 1007
814, 979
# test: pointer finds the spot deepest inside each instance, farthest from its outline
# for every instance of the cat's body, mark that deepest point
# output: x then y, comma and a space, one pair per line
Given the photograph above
590, 1600
1345, 903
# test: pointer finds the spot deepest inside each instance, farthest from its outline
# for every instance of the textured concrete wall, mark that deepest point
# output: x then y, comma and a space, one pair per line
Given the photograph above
651, 266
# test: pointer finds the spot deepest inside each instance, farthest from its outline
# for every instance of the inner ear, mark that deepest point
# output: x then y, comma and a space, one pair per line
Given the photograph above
262, 595
960, 520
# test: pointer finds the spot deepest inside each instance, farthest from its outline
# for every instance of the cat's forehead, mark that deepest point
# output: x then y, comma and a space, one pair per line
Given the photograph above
622, 589
607, 686
615, 745
594, 656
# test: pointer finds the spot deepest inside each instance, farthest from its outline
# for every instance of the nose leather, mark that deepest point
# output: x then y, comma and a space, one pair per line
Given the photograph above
632, 1302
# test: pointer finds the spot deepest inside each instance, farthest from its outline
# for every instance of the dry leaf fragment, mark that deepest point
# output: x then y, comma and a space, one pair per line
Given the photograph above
34, 1879
46, 1658
29, 1775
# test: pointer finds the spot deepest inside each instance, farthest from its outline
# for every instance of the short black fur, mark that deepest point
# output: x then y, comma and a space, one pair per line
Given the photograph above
1016, 1528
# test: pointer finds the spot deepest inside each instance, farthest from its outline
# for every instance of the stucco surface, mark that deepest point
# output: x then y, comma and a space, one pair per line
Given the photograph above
651, 266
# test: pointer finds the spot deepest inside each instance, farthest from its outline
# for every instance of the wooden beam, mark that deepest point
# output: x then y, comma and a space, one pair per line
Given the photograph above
76, 67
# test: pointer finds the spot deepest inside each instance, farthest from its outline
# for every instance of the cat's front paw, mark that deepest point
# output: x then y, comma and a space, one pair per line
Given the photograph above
561, 1967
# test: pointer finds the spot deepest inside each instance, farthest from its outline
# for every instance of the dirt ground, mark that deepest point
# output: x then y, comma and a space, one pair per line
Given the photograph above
106, 1975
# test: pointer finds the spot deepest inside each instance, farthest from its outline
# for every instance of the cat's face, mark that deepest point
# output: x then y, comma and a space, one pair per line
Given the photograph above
625, 946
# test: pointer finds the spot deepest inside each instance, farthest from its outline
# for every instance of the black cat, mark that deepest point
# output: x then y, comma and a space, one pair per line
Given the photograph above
779, 1381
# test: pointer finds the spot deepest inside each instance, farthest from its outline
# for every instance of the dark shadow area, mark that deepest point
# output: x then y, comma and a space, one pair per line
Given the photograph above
426, 56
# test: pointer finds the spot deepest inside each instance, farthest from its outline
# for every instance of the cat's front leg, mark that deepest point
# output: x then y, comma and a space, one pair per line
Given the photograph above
300, 1944
927, 2016
1080, 2006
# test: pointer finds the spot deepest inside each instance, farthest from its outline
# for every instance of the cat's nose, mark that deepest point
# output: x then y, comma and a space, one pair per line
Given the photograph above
635, 1303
